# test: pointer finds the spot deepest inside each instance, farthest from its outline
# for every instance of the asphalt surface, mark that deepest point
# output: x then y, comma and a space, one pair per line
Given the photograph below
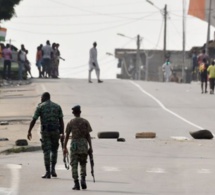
172, 163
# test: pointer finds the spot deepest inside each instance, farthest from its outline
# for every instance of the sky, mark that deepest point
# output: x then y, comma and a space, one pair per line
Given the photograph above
76, 24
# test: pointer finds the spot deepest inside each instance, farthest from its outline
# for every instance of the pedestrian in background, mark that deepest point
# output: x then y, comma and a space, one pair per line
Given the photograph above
52, 128
203, 75
93, 63
21, 56
58, 58
167, 70
2, 46
47, 53
202, 56
39, 57
28, 65
80, 129
54, 62
211, 75
7, 55
194, 60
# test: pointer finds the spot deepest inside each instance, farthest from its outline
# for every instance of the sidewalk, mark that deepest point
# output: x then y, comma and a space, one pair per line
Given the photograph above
17, 105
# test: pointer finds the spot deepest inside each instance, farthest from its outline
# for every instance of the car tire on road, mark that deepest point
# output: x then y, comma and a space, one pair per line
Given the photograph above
108, 135
21, 142
202, 134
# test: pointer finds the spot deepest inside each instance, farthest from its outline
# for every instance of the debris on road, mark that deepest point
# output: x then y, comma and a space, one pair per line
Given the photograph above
202, 134
145, 135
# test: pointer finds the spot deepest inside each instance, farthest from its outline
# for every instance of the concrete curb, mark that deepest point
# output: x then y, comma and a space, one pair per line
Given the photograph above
18, 149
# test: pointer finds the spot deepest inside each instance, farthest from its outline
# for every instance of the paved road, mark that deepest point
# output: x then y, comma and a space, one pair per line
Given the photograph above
161, 166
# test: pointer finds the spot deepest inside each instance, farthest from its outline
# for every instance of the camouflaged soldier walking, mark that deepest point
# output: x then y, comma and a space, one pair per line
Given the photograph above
52, 128
80, 129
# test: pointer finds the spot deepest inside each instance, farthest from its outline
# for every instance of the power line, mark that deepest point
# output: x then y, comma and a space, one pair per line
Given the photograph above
83, 10
81, 32
115, 15
116, 4
65, 24
73, 24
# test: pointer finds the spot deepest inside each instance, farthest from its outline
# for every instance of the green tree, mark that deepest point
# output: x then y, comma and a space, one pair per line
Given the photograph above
7, 10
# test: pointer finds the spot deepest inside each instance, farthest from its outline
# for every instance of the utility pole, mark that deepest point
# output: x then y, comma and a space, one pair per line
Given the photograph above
209, 24
183, 43
165, 29
164, 14
138, 58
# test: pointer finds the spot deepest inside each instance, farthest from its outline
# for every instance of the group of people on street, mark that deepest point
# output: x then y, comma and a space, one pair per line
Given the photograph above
48, 59
52, 129
8, 54
206, 69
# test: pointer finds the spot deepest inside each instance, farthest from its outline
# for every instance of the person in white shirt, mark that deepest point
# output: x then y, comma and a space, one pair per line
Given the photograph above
93, 63
167, 70
47, 53
21, 61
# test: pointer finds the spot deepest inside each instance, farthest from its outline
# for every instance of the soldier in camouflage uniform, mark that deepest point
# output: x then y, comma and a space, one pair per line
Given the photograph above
52, 128
80, 129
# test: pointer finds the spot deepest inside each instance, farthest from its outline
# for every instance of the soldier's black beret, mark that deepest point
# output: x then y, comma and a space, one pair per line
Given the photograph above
76, 108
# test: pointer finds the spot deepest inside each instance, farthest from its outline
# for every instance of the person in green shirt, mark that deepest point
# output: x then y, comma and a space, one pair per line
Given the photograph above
211, 74
52, 128
81, 145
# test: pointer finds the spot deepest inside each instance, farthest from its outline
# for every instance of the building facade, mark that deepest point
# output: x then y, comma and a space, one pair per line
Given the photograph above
148, 64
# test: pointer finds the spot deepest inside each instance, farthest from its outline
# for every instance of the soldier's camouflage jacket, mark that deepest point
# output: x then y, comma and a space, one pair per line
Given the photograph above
49, 113
80, 128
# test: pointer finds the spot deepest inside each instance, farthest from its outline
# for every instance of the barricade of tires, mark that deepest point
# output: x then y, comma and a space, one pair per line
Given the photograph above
108, 135
145, 135
202, 134
21, 142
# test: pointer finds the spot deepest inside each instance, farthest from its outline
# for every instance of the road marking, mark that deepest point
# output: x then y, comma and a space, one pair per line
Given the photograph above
180, 138
5, 191
110, 169
156, 170
163, 107
14, 188
204, 171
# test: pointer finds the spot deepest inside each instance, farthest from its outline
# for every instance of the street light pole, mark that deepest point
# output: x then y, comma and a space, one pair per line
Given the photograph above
138, 58
165, 28
209, 24
183, 43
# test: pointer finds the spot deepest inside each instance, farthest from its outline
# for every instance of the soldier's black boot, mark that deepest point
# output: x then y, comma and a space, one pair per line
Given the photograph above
83, 183
47, 174
53, 172
76, 186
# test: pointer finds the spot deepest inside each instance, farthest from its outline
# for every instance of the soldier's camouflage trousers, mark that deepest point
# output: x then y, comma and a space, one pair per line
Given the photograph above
75, 159
50, 144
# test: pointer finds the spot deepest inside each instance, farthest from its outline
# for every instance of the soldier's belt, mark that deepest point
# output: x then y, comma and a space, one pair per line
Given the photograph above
49, 127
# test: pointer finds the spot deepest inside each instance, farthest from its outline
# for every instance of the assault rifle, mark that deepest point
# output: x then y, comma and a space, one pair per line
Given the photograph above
66, 156
91, 164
